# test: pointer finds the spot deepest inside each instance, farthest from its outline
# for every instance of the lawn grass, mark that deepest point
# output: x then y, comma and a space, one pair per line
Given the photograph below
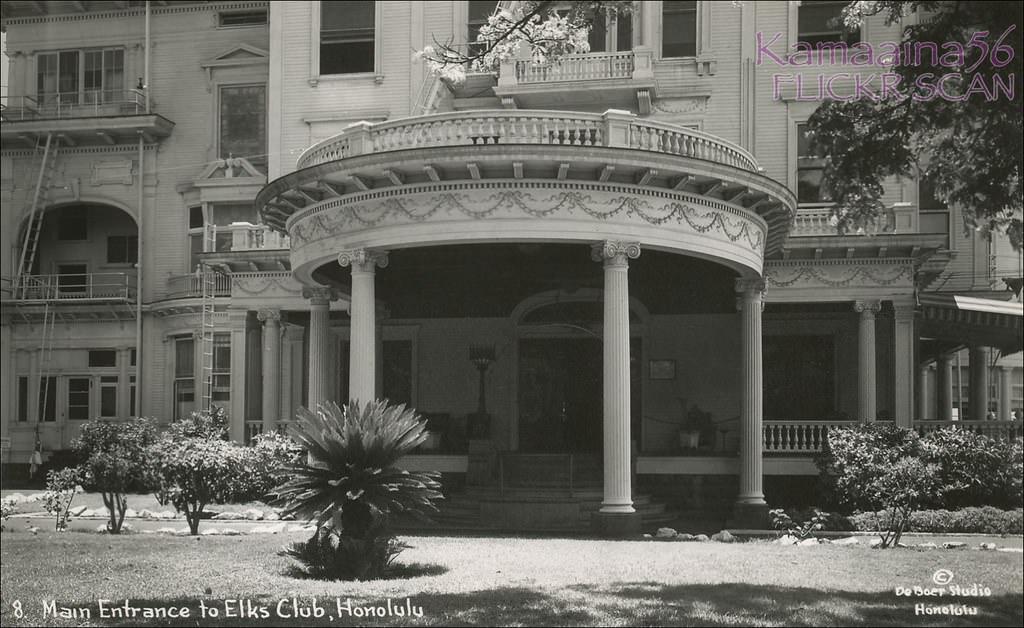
506, 581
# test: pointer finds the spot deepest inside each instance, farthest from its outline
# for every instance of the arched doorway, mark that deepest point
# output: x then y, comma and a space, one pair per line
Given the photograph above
559, 374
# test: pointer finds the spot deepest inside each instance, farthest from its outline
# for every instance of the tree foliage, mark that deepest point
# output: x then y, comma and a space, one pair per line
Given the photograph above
965, 139
116, 455
542, 30
350, 485
61, 486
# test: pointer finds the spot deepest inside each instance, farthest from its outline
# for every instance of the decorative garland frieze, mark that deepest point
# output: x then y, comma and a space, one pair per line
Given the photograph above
859, 274
254, 284
688, 213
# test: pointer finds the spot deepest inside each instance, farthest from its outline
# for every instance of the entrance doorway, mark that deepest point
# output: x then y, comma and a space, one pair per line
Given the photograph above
561, 400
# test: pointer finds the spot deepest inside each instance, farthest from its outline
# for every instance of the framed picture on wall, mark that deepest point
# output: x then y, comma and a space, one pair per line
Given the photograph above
662, 369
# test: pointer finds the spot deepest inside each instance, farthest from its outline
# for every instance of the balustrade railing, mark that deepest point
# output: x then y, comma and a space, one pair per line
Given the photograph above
798, 436
614, 129
581, 67
74, 287
191, 286
249, 237
87, 104
1008, 430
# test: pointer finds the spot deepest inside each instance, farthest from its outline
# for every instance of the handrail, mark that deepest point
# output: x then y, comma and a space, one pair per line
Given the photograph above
798, 436
577, 67
191, 286
1005, 429
73, 287
615, 129
86, 104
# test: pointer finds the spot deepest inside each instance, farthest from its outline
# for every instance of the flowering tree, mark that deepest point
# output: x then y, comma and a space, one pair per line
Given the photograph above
532, 28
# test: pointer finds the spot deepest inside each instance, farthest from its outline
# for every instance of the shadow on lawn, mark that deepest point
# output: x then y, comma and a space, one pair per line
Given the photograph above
634, 603
401, 571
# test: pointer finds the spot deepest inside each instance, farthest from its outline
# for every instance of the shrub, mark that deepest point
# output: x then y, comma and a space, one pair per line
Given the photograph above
116, 459
986, 520
60, 492
799, 525
212, 424
349, 485
194, 472
264, 465
7, 508
977, 470
878, 467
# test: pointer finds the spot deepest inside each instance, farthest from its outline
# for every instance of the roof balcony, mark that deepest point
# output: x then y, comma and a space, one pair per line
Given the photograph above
523, 176
617, 79
82, 118
245, 247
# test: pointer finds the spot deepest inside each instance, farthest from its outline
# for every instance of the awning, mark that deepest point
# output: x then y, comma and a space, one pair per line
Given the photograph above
949, 322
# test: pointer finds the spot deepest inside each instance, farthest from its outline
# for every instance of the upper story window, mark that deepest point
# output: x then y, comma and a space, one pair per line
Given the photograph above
809, 170
80, 76
611, 33
347, 37
678, 29
479, 12
208, 227
822, 21
122, 249
242, 18
243, 123
933, 214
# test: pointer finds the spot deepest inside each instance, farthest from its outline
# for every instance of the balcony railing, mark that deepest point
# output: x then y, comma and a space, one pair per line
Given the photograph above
249, 237
1007, 430
191, 286
798, 436
90, 104
77, 287
612, 129
817, 221
582, 67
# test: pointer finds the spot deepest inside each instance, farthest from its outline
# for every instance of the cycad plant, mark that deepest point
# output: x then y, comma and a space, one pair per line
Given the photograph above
349, 486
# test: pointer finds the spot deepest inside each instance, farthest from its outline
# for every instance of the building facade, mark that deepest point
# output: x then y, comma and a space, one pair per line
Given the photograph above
615, 270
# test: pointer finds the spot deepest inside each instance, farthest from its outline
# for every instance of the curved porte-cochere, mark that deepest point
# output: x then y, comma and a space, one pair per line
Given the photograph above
530, 176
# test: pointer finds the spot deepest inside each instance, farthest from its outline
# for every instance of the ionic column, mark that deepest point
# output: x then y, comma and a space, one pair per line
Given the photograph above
362, 372
904, 341
978, 391
617, 489
1005, 386
867, 402
319, 315
238, 321
271, 320
944, 385
750, 303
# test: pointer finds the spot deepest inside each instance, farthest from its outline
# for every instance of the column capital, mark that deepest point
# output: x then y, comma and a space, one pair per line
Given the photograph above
363, 260
319, 296
614, 252
269, 316
867, 308
749, 291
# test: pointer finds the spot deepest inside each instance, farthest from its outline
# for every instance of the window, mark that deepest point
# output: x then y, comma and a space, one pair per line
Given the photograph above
933, 213
72, 279
243, 123
799, 377
221, 393
78, 398
108, 396
347, 37
184, 377
122, 249
810, 169
396, 384
678, 29
22, 399
105, 357
822, 21
73, 223
611, 33
48, 399
208, 230
479, 12
80, 76
242, 18
131, 396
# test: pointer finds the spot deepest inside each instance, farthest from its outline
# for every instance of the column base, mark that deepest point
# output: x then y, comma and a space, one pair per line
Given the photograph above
616, 525
748, 516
